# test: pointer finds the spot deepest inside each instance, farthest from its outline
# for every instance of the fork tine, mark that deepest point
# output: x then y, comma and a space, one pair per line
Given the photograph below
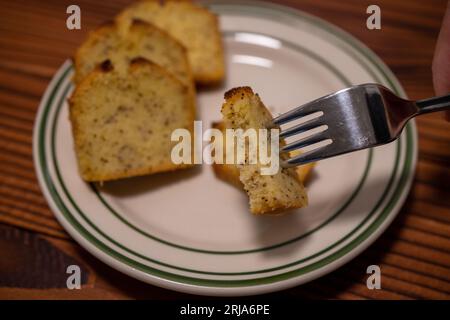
303, 127
310, 107
311, 139
303, 158
302, 111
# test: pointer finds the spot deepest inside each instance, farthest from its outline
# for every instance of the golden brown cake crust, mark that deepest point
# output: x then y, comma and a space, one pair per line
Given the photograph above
235, 92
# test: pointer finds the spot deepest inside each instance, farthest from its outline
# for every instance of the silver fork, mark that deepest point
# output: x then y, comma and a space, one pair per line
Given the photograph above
352, 119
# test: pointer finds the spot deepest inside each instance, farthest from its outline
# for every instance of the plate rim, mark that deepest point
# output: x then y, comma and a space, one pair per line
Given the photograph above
238, 290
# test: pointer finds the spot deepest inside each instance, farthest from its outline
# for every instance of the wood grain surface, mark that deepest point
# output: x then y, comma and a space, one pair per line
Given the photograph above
414, 253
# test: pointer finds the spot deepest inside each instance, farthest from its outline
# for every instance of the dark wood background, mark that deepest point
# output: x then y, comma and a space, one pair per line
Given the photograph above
414, 253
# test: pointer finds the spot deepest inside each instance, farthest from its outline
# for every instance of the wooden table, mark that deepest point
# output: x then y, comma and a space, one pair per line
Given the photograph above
414, 253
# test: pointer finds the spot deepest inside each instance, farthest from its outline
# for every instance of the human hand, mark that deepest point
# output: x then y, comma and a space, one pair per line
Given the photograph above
441, 59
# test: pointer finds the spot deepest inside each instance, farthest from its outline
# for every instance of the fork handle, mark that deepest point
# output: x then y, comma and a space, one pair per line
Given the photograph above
434, 104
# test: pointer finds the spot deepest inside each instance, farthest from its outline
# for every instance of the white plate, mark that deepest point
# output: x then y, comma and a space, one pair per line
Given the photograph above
189, 231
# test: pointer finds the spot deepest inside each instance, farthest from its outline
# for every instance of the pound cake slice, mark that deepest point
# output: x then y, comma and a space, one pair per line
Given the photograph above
142, 40
225, 171
230, 172
122, 122
194, 26
267, 193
